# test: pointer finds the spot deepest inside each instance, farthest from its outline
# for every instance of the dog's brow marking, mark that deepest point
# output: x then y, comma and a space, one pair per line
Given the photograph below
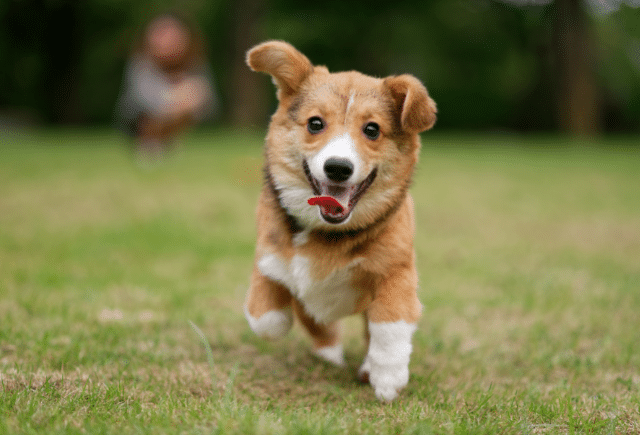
346, 112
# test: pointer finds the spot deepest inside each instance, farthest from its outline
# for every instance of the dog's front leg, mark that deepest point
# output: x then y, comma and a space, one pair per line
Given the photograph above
392, 319
268, 307
387, 361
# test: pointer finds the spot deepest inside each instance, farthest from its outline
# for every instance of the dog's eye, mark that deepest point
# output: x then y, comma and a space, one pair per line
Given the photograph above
371, 130
315, 125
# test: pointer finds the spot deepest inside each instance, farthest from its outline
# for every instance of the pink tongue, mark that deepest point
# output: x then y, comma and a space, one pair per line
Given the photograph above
326, 202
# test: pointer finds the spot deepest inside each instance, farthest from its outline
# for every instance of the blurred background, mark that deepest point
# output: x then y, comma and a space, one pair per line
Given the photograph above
567, 66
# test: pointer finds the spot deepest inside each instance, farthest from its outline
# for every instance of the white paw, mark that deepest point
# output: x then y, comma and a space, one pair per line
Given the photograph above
387, 360
387, 381
333, 354
272, 325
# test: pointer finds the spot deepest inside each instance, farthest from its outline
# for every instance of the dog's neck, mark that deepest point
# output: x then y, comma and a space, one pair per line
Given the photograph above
291, 222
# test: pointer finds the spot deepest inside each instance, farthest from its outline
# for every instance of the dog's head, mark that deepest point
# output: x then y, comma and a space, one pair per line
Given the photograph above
346, 140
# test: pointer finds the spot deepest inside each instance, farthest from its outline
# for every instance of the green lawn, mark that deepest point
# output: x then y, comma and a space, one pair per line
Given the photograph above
529, 260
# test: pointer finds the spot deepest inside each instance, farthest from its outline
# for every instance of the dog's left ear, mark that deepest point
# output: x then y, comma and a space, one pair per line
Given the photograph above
416, 109
287, 66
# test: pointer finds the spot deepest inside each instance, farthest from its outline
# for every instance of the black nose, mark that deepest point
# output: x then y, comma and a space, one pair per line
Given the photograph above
338, 170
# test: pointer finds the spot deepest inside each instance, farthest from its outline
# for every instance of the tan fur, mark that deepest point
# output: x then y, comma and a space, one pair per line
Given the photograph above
288, 67
322, 335
375, 247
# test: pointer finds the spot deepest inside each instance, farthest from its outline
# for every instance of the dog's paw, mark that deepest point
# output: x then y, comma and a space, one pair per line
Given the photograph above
387, 381
272, 325
333, 354
387, 361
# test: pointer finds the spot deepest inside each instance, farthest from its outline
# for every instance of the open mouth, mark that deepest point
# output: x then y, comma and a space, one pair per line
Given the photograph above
336, 200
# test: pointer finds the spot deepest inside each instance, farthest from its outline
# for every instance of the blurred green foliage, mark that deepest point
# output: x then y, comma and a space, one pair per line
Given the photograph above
489, 64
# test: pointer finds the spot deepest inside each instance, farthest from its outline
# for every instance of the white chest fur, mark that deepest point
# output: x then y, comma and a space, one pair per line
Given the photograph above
326, 299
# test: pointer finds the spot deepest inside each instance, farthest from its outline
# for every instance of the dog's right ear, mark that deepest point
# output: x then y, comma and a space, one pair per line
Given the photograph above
416, 110
287, 66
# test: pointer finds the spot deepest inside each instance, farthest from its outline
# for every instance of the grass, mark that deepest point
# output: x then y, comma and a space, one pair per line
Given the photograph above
529, 260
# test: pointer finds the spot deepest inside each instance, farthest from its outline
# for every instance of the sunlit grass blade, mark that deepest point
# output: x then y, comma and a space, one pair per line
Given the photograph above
208, 351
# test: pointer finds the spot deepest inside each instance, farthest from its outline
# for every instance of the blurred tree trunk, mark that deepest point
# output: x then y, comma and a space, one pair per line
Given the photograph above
246, 96
62, 45
41, 49
578, 105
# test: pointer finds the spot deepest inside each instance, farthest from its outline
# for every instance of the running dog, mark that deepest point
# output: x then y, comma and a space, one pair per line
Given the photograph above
335, 218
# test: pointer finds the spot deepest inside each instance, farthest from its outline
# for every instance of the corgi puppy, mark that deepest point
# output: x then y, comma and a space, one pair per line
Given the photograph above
335, 218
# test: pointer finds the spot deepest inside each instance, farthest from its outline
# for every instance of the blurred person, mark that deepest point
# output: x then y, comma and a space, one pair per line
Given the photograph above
167, 86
